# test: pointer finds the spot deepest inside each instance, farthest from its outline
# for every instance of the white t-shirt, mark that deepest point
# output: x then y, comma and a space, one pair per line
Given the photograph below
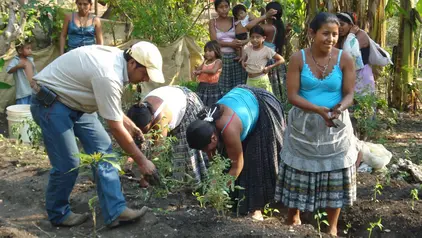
175, 99
89, 79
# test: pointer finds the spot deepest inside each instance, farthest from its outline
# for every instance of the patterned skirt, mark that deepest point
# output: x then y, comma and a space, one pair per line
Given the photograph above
308, 191
317, 168
260, 151
277, 77
232, 73
209, 93
187, 160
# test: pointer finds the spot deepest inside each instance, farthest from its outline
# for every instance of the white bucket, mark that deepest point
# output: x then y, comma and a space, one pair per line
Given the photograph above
16, 114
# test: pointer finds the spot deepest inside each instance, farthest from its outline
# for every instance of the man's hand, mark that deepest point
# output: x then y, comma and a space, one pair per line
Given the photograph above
133, 130
147, 167
266, 70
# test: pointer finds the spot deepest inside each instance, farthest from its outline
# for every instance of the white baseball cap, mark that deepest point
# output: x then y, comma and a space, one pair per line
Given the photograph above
149, 56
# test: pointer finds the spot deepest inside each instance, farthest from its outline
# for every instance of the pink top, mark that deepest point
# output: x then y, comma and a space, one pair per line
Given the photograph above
225, 36
209, 78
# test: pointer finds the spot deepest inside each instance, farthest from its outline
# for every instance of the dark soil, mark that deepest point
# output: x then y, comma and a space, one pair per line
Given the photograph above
24, 176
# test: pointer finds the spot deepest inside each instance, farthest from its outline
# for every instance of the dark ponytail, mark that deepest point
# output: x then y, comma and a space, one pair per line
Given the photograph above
279, 25
199, 132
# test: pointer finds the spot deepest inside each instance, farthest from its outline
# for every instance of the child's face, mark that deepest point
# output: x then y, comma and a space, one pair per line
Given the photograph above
26, 50
209, 54
241, 15
256, 39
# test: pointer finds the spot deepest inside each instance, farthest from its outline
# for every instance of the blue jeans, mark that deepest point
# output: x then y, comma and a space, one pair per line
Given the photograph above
25, 100
60, 125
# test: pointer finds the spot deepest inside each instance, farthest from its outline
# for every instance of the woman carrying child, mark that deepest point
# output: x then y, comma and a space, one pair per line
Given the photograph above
222, 29
208, 74
255, 58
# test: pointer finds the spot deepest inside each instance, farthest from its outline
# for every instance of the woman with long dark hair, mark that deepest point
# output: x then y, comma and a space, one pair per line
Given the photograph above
246, 125
275, 39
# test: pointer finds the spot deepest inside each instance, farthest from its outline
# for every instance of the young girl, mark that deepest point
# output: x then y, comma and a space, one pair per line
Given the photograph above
255, 58
208, 74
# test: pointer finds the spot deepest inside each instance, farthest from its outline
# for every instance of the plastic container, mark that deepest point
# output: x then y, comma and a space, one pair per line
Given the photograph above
16, 114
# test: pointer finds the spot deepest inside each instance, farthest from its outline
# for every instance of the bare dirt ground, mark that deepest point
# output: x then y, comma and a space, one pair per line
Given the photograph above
24, 176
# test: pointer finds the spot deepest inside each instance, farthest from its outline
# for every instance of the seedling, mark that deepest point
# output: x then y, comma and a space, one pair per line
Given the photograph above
373, 225
269, 210
415, 197
216, 189
92, 203
33, 131
93, 161
238, 204
348, 227
377, 190
319, 217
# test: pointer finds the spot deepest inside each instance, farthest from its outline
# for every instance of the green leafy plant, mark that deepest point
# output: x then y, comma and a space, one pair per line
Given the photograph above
415, 197
370, 113
92, 161
3, 85
164, 21
33, 130
216, 189
160, 150
192, 85
319, 217
373, 225
377, 190
269, 211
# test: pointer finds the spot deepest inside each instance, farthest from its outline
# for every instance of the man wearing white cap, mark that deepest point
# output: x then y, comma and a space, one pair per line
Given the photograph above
69, 92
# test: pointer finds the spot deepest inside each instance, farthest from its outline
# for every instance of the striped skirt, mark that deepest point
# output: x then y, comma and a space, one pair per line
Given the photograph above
277, 77
317, 168
209, 93
260, 151
187, 160
308, 191
232, 73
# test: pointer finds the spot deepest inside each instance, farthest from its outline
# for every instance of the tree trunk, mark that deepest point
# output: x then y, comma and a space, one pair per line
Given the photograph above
377, 22
14, 29
401, 97
311, 11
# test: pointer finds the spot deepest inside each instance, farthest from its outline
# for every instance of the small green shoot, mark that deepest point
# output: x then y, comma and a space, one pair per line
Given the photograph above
319, 217
92, 203
415, 197
377, 190
348, 227
373, 225
269, 211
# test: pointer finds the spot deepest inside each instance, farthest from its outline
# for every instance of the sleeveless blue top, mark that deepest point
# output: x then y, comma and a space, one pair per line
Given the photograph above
80, 36
246, 107
326, 92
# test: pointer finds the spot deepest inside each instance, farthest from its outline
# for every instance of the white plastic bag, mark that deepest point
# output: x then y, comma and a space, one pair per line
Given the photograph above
375, 155
377, 55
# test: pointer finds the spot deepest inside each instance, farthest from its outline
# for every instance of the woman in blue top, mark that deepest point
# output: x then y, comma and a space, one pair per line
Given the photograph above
81, 28
317, 163
246, 125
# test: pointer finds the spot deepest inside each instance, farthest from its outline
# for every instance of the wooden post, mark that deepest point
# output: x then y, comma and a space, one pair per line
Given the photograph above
96, 7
